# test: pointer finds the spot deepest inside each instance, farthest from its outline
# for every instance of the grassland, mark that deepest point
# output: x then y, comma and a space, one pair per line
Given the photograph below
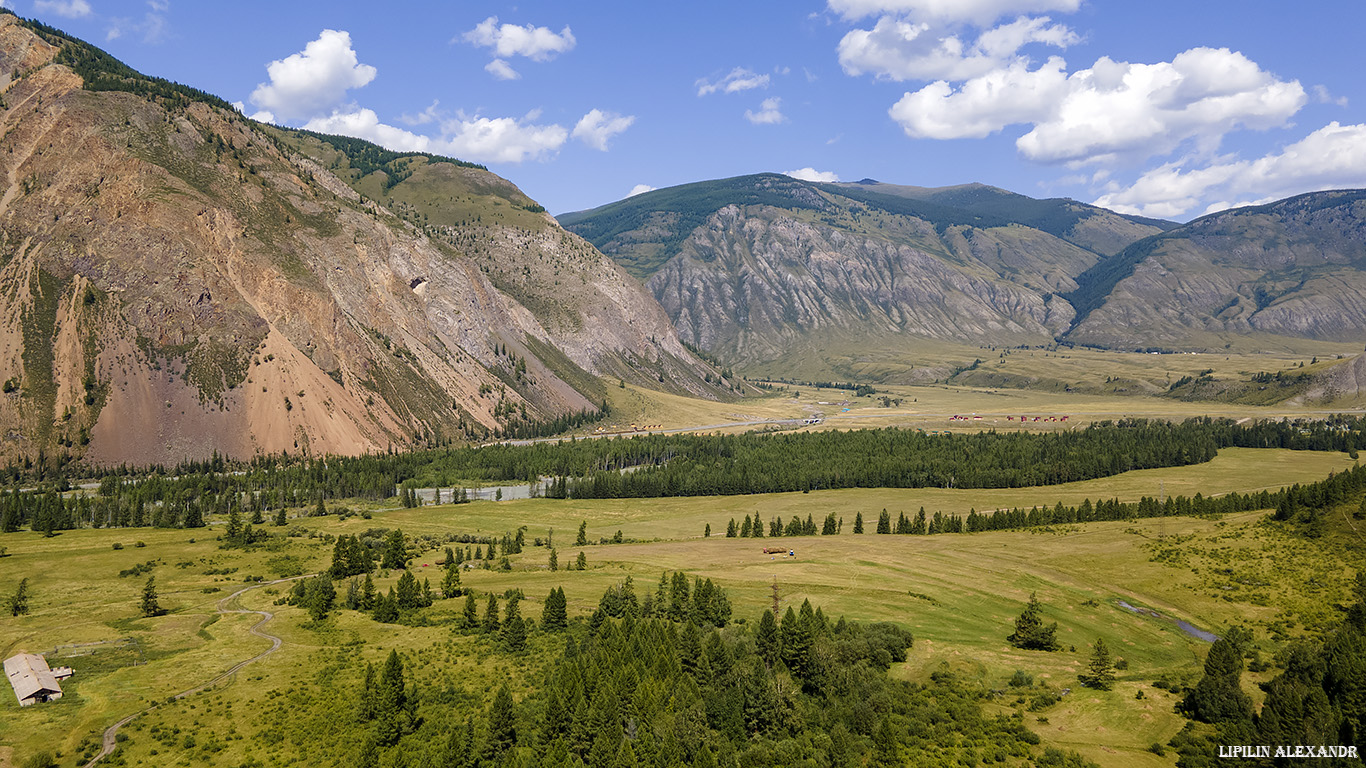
957, 593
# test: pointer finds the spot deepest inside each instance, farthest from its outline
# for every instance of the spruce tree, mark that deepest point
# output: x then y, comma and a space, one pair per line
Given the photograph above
554, 615
149, 605
1031, 633
280, 519
502, 733
554, 560
450, 585
766, 640
367, 594
514, 628
1101, 671
582, 539
884, 522
470, 615
18, 602
490, 624
581, 563
858, 522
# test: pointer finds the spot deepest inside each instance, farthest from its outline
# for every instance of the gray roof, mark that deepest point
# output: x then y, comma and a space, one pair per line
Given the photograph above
30, 675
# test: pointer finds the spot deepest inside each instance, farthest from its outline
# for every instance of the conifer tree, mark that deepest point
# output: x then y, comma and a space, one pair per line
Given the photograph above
367, 594
1219, 696
554, 560
18, 602
731, 529
858, 522
1101, 671
1031, 633
502, 724
149, 605
582, 539
514, 628
450, 584
884, 522
470, 615
490, 624
766, 640
581, 563
280, 519
554, 615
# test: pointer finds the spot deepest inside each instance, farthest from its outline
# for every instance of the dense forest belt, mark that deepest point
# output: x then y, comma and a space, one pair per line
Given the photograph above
656, 466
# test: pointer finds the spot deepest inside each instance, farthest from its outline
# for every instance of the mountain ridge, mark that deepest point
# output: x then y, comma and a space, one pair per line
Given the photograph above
179, 280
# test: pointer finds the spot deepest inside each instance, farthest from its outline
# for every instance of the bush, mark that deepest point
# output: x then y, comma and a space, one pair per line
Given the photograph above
118, 545
1021, 679
1157, 749
141, 544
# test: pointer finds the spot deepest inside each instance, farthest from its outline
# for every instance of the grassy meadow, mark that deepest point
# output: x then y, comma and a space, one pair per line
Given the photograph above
958, 594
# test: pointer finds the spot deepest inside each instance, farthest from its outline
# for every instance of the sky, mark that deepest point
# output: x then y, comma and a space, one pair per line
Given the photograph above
1163, 109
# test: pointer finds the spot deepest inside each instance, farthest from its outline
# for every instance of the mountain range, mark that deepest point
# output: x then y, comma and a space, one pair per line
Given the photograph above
178, 280
760, 269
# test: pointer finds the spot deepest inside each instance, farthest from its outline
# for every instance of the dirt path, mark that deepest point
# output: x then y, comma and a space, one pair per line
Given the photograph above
223, 607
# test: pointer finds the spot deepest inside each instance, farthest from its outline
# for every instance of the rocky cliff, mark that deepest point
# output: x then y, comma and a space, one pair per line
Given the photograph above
754, 268
178, 280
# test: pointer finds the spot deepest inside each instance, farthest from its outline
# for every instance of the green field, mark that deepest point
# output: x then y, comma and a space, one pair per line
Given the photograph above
958, 594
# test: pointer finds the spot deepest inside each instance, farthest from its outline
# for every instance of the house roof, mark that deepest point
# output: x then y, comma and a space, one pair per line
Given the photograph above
29, 674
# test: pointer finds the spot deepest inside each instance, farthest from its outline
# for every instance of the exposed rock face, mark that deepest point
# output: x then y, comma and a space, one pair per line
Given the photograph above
753, 285
178, 280
786, 262
1290, 269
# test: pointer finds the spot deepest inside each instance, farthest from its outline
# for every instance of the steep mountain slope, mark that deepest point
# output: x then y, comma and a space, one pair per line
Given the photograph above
1294, 269
178, 280
756, 267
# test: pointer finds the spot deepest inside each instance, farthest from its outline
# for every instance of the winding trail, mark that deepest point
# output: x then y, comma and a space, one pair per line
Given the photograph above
229, 604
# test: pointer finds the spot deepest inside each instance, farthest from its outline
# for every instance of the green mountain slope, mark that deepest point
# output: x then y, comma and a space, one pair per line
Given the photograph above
1293, 269
178, 280
757, 268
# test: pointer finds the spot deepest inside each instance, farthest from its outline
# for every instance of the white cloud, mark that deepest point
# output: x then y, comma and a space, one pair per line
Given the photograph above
738, 79
597, 127
982, 105
365, 124
427, 115
152, 28
502, 70
479, 139
312, 82
903, 50
71, 9
1324, 96
811, 174
769, 113
1112, 110
980, 12
501, 140
1332, 157
640, 189
535, 43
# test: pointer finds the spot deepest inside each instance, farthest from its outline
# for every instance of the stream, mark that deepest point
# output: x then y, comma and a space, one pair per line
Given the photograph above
1184, 626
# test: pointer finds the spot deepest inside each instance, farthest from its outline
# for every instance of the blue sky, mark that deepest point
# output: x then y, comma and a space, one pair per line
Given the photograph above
1160, 108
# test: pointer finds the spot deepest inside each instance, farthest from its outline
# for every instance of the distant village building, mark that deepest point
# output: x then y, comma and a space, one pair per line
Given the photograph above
33, 681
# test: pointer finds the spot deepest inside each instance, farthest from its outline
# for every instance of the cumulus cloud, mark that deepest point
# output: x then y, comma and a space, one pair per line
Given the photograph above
640, 189
811, 174
770, 112
427, 115
502, 70
152, 28
507, 40
480, 139
1332, 157
898, 49
71, 9
738, 79
1111, 110
313, 82
597, 127
980, 12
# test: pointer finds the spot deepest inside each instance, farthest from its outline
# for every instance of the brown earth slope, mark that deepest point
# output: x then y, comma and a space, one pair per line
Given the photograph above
178, 280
